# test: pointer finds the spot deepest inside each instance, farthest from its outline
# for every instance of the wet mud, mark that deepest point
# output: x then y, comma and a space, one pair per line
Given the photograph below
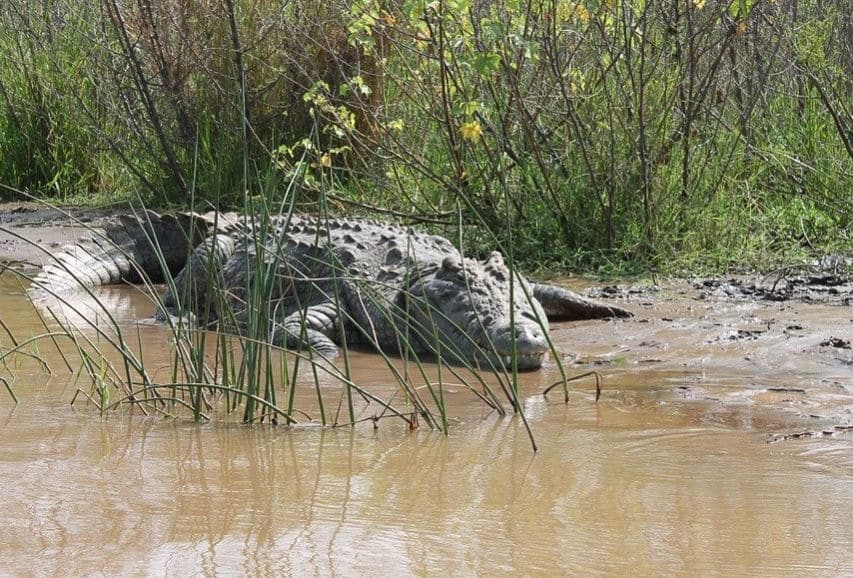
29, 231
778, 346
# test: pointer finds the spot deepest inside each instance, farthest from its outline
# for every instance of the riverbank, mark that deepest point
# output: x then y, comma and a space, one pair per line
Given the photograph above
29, 231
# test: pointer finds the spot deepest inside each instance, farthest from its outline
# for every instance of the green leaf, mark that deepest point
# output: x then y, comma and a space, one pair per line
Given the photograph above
487, 63
740, 9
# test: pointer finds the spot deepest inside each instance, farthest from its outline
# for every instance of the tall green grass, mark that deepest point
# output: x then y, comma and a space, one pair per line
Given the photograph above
233, 366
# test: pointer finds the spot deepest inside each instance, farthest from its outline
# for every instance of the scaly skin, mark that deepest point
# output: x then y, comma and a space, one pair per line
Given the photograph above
360, 281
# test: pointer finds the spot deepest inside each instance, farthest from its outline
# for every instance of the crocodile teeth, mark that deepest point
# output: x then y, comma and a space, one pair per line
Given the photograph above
522, 357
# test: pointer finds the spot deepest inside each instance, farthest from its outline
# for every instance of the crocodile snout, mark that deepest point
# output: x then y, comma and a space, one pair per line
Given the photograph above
528, 337
530, 344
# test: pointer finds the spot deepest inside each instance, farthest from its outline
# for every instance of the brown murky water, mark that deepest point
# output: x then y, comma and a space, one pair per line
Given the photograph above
671, 473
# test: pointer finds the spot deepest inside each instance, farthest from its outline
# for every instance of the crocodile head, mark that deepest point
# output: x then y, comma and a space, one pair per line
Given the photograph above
461, 311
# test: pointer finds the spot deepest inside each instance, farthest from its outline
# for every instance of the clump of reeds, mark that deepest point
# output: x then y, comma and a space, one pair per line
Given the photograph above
235, 366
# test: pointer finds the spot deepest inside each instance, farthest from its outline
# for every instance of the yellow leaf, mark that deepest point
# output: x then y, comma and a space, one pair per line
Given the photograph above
471, 131
571, 9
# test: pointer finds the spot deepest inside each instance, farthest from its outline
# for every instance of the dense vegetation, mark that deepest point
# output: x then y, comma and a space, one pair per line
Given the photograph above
578, 133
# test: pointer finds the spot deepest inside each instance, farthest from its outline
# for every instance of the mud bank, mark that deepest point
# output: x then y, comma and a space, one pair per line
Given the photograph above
778, 343
29, 231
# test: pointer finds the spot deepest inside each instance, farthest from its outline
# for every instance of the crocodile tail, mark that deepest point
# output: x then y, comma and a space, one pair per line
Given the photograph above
560, 303
126, 249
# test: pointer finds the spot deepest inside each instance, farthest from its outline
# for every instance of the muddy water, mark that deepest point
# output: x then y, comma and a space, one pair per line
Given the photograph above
671, 473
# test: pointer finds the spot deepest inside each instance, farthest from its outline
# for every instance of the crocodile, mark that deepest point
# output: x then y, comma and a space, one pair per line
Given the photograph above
322, 283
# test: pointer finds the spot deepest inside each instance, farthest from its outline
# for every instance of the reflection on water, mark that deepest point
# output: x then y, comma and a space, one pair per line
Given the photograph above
669, 475
128, 495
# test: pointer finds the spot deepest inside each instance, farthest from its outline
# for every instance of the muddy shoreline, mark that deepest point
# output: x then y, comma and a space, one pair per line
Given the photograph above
774, 342
28, 230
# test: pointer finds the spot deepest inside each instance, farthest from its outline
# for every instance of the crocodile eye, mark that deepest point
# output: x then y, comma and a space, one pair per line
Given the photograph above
451, 264
495, 259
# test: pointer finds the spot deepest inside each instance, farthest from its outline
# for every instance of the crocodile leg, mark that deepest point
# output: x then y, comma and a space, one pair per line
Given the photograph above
560, 303
315, 327
203, 273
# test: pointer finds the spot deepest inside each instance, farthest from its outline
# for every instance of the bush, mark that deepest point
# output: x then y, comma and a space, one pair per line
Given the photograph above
572, 133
